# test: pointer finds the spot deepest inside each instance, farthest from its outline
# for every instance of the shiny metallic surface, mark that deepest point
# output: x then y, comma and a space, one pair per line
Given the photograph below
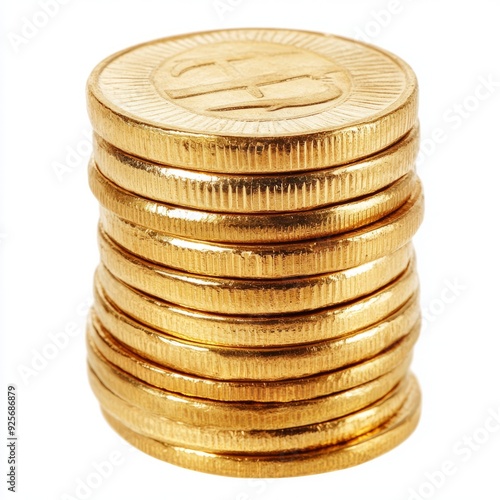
329, 101
257, 331
251, 228
252, 297
258, 364
157, 374
294, 463
257, 302
258, 441
244, 415
271, 260
285, 192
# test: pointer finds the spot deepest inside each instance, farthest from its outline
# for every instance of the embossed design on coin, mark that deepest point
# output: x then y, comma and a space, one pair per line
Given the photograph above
267, 80
252, 101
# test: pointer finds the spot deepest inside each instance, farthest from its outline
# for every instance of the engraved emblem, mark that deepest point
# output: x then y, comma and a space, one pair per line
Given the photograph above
252, 81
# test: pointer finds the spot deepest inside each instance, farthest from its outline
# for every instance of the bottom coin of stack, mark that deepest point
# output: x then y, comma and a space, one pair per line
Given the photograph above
259, 411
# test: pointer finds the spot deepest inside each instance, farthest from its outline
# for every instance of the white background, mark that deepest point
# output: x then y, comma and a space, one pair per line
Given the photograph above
48, 246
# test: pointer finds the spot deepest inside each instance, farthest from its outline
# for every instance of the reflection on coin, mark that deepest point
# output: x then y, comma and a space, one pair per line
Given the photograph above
252, 297
277, 260
250, 390
251, 228
284, 192
294, 463
231, 363
218, 440
257, 331
255, 100
243, 415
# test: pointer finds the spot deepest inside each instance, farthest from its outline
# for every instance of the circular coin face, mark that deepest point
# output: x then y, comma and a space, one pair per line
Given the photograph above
226, 79
252, 100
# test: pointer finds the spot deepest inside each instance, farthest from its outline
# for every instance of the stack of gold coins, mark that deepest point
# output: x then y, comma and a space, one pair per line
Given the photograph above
256, 304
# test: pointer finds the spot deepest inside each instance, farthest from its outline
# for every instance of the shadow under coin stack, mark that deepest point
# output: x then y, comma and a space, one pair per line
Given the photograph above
256, 304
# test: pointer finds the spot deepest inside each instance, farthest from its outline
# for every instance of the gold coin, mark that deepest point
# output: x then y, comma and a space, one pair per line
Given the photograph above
250, 390
257, 441
276, 260
284, 192
260, 331
243, 415
236, 363
250, 228
292, 463
252, 297
253, 100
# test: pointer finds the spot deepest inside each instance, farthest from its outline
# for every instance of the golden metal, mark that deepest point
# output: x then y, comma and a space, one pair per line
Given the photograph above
284, 192
252, 297
218, 440
256, 305
232, 363
255, 100
293, 463
257, 331
250, 228
250, 390
277, 260
242, 415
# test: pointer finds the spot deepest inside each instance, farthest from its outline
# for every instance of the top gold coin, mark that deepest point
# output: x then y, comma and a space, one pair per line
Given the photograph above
252, 100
